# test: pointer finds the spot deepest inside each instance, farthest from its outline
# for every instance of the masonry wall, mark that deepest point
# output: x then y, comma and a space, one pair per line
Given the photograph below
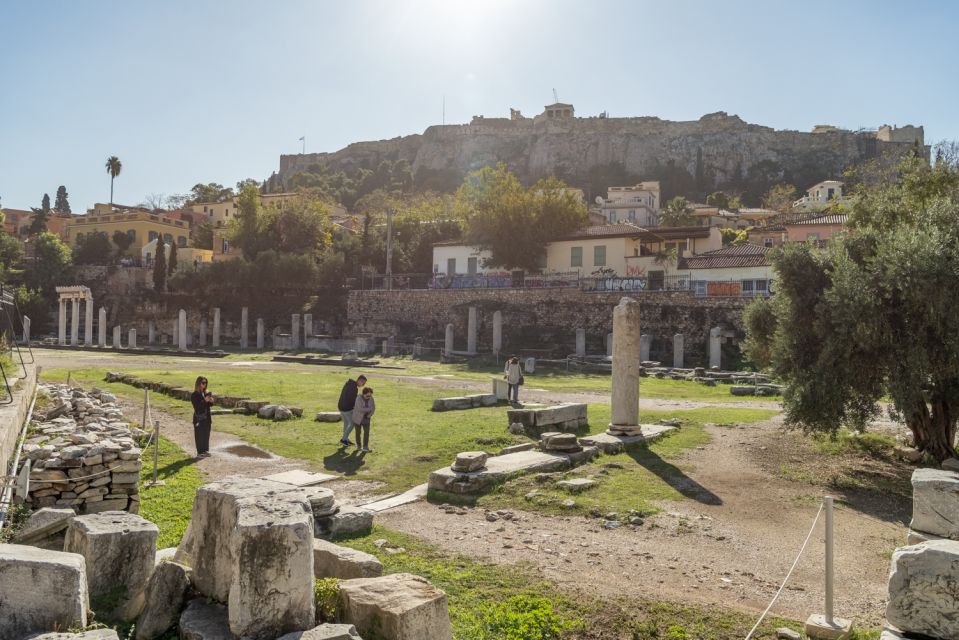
12, 415
547, 318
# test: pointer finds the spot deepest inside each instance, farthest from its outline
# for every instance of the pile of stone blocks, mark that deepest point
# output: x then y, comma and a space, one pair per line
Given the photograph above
83, 454
465, 402
924, 580
533, 422
469, 461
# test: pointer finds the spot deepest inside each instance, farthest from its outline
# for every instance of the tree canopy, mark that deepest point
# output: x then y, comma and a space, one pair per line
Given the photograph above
513, 223
40, 216
676, 213
62, 204
93, 248
51, 263
210, 192
873, 314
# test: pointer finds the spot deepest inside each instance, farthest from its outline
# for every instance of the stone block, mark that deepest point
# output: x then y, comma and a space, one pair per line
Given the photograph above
206, 545
935, 502
120, 551
271, 592
267, 411
164, 555
892, 634
516, 448
335, 561
951, 464
165, 595
545, 416
329, 416
326, 632
322, 501
93, 634
924, 589
498, 469
46, 521
576, 485
400, 606
469, 461
348, 521
203, 620
40, 590
100, 506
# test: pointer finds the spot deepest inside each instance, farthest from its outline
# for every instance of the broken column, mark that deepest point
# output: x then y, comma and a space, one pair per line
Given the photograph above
923, 589
216, 327
295, 331
26, 329
88, 322
626, 348
41, 590
448, 345
181, 330
203, 328
679, 348
62, 323
151, 333
75, 322
244, 328
716, 348
497, 332
132, 338
259, 333
581, 343
307, 326
471, 322
120, 551
400, 606
116, 337
645, 341
103, 327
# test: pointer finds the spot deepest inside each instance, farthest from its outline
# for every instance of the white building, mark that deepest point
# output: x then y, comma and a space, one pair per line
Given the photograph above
638, 204
736, 270
454, 257
820, 195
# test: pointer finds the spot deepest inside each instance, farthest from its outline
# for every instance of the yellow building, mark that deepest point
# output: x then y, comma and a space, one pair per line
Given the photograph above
190, 256
142, 227
221, 213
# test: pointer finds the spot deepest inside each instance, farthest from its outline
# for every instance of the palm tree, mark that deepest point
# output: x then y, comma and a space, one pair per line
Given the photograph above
113, 168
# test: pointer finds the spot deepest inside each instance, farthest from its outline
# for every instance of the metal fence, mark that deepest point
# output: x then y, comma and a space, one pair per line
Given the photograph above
11, 326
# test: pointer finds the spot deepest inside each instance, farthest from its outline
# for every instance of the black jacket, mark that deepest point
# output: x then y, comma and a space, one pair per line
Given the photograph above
201, 408
348, 396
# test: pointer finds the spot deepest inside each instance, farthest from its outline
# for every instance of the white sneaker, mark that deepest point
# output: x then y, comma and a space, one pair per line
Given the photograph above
365, 450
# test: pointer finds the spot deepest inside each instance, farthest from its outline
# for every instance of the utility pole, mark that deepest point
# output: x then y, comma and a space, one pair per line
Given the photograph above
389, 248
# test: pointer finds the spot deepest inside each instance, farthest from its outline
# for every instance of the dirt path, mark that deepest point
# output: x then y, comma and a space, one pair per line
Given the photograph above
730, 547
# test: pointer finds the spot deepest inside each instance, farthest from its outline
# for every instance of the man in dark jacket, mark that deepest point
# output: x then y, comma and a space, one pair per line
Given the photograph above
347, 400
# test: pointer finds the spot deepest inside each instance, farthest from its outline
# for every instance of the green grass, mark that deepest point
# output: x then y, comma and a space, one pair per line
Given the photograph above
846, 442
171, 505
477, 589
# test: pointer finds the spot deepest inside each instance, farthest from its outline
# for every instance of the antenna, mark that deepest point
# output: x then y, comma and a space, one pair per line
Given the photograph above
444, 108
555, 97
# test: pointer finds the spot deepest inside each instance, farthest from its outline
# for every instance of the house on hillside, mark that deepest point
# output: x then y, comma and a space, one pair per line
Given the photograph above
818, 229
820, 195
638, 205
737, 270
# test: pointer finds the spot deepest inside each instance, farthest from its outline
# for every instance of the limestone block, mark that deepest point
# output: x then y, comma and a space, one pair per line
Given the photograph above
545, 416
267, 411
935, 502
334, 561
165, 596
469, 461
322, 501
271, 592
329, 416
282, 413
892, 634
94, 634
348, 521
924, 589
164, 555
951, 464
206, 545
400, 606
576, 484
48, 518
40, 590
326, 632
516, 448
120, 551
203, 620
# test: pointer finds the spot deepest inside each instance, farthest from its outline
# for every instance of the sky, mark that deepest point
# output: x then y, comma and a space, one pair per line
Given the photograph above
214, 91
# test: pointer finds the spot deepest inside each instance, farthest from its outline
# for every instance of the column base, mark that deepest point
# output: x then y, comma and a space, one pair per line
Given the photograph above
625, 430
819, 628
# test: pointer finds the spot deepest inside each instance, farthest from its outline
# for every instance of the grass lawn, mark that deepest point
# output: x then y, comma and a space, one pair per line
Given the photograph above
171, 505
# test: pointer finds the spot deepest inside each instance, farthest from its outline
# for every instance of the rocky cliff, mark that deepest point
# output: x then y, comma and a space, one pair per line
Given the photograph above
718, 151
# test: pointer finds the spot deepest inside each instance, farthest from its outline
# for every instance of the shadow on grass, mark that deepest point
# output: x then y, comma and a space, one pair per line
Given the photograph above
171, 469
673, 476
343, 462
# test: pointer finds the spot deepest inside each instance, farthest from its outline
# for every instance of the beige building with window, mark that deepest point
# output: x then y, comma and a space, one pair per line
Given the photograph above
638, 204
140, 225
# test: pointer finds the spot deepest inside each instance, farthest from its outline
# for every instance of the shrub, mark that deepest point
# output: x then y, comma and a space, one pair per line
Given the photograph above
326, 593
523, 618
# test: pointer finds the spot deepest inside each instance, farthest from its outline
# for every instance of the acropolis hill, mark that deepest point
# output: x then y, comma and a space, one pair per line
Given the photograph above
716, 151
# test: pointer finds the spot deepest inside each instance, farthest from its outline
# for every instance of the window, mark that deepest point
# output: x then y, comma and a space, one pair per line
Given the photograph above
79, 237
132, 234
471, 265
575, 256
612, 216
204, 210
226, 246
767, 242
631, 216
153, 236
181, 241
167, 238
599, 255
678, 247
450, 266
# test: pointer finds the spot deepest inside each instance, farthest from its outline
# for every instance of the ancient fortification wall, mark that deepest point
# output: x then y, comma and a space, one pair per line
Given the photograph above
544, 317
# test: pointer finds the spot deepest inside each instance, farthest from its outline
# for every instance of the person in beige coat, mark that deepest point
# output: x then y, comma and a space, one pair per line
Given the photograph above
514, 378
362, 413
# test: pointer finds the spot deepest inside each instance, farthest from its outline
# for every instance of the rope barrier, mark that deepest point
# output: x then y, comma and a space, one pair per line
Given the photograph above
788, 575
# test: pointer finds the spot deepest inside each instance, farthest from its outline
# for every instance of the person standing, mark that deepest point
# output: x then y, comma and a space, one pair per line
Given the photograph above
514, 378
201, 399
362, 415
346, 404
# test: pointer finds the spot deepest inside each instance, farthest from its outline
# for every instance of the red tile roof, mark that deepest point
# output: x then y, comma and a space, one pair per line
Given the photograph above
743, 255
834, 218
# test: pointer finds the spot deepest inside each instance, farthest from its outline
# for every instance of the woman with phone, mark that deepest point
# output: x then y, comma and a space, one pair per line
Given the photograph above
202, 418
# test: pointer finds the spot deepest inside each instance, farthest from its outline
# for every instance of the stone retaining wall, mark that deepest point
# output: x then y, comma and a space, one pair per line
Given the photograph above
12, 415
543, 317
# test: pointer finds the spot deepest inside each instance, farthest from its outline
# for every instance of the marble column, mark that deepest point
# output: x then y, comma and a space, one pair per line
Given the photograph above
386, 348
716, 348
116, 337
181, 330
102, 327
645, 341
295, 330
679, 349
497, 331
132, 339
26, 329
74, 322
151, 332
88, 323
259, 334
448, 345
244, 328
609, 344
471, 322
62, 323
216, 327
626, 347
176, 332
307, 326
203, 328
581, 343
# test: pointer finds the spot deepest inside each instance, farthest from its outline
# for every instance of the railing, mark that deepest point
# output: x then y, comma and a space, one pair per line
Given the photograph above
572, 280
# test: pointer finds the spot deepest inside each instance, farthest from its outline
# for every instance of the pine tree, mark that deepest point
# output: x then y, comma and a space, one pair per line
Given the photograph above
159, 267
62, 204
40, 216
171, 266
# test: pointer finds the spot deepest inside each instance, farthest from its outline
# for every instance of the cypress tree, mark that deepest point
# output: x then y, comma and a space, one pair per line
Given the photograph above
159, 267
171, 267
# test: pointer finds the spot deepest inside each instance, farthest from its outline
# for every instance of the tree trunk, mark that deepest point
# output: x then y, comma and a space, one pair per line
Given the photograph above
933, 429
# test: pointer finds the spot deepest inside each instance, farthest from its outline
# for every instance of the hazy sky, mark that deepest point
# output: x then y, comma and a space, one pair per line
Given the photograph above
191, 91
